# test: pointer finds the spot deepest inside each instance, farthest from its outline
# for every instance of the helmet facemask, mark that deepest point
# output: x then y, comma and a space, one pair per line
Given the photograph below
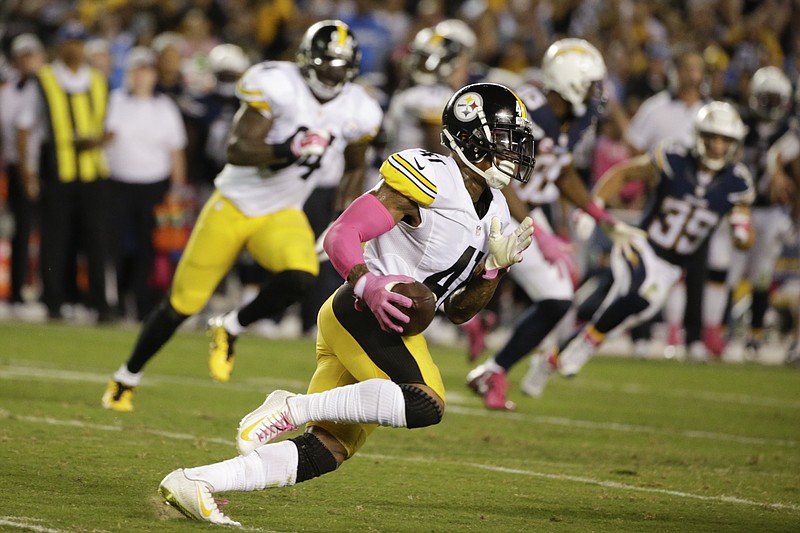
510, 148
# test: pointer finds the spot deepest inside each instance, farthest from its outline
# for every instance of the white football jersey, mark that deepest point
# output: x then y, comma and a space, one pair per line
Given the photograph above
409, 110
278, 91
451, 240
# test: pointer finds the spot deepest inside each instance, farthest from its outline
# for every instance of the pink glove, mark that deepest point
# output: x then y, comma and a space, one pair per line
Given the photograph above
310, 143
375, 291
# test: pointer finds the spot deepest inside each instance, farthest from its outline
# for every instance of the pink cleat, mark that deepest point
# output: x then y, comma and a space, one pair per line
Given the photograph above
714, 341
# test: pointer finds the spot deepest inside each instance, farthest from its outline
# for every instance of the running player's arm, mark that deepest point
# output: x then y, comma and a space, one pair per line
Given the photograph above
399, 207
465, 302
639, 168
246, 146
519, 209
355, 168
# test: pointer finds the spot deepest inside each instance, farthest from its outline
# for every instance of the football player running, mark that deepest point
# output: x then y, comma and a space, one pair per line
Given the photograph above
437, 65
768, 121
440, 220
564, 116
297, 124
693, 190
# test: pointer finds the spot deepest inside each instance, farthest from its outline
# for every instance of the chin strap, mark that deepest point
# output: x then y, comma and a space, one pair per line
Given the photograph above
495, 178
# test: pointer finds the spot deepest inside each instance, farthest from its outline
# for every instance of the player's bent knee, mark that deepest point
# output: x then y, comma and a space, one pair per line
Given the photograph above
313, 458
421, 409
555, 308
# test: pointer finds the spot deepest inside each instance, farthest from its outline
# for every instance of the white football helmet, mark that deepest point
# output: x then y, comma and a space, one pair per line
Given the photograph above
571, 67
459, 31
228, 58
718, 118
770, 93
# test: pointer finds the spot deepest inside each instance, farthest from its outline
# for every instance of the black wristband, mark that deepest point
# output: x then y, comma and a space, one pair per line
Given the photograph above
283, 153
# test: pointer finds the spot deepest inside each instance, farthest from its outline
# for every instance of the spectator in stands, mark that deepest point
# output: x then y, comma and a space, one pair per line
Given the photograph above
146, 158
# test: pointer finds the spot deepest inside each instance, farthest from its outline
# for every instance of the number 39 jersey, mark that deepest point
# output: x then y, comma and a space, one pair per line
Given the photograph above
689, 204
452, 238
278, 91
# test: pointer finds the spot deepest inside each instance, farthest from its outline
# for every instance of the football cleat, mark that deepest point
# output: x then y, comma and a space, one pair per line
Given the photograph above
793, 354
714, 341
492, 386
265, 424
193, 498
118, 397
539, 372
220, 350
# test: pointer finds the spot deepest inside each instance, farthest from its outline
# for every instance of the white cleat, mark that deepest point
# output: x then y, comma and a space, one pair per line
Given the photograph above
539, 373
268, 422
193, 498
574, 356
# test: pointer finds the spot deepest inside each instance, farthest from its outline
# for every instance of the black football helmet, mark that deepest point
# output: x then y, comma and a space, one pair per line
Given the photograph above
433, 57
489, 120
329, 57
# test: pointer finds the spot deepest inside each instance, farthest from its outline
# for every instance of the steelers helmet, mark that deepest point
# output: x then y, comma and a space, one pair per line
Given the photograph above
488, 120
329, 57
718, 118
770, 93
434, 57
573, 68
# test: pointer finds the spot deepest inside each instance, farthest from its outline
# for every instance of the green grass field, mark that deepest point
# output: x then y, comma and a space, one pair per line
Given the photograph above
629, 445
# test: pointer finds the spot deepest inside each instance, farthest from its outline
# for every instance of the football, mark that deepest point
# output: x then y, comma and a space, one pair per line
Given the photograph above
422, 309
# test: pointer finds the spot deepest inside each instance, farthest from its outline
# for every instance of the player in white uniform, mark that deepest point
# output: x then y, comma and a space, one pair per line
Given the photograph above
437, 65
298, 123
564, 118
770, 139
433, 219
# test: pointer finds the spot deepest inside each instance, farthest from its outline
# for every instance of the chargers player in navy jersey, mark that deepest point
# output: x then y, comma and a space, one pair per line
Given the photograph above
767, 118
564, 117
432, 218
692, 190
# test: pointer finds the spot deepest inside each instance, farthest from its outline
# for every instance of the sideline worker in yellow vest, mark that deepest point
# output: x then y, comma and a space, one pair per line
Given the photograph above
71, 104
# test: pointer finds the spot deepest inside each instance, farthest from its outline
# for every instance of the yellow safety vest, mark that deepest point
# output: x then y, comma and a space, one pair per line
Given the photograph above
74, 116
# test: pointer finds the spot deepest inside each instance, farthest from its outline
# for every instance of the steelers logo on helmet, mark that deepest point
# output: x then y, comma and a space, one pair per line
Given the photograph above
467, 106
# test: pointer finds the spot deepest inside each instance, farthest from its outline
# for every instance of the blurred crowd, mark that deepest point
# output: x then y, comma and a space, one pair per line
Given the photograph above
641, 42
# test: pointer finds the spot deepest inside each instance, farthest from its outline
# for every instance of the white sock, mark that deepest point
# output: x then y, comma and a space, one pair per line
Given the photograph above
715, 295
492, 366
676, 305
271, 465
126, 377
374, 401
231, 323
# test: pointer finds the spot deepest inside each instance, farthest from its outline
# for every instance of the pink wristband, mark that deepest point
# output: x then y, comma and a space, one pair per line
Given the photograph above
364, 219
598, 213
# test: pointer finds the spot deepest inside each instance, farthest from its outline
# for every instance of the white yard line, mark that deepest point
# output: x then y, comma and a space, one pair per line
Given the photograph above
31, 524
617, 426
28, 524
455, 405
493, 468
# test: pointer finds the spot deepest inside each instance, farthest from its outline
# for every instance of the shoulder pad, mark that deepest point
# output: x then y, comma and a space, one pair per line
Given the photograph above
661, 154
410, 174
258, 85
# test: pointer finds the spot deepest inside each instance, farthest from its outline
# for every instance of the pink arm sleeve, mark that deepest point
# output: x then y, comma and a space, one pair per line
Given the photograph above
364, 219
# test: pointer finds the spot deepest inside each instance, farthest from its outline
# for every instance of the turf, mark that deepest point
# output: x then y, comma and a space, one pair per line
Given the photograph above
628, 445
